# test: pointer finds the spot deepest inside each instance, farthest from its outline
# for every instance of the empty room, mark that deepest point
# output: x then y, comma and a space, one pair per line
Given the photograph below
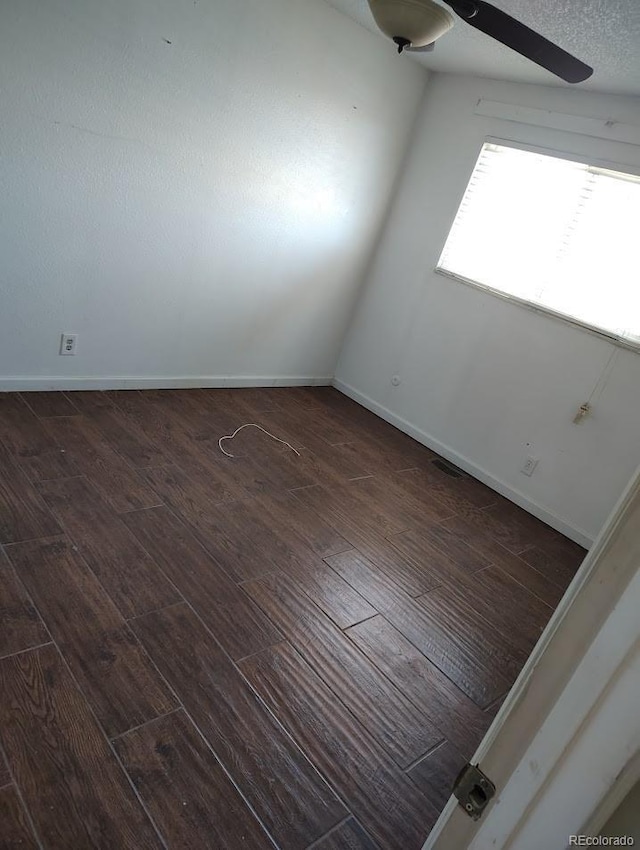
319, 423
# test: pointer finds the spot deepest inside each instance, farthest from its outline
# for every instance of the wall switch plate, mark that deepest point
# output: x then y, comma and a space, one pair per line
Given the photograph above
529, 466
68, 344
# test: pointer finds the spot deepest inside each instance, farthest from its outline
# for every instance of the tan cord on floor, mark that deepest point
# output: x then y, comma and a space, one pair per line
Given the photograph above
253, 425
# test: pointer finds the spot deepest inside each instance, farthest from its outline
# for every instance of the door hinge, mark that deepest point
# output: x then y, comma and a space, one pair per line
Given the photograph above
473, 790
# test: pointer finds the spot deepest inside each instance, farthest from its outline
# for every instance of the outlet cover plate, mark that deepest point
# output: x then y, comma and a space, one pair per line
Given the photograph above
529, 466
68, 344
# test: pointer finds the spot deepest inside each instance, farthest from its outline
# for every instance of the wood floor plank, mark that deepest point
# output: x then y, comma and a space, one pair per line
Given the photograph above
448, 708
267, 469
412, 578
252, 399
171, 430
404, 732
191, 495
572, 553
387, 804
115, 674
508, 606
254, 749
377, 549
513, 565
455, 493
530, 532
206, 417
333, 403
515, 536
348, 836
22, 434
241, 542
383, 445
458, 641
283, 423
361, 503
557, 564
20, 625
47, 404
259, 463
248, 441
392, 500
332, 429
437, 772
125, 570
338, 599
94, 457
157, 422
5, 776
85, 401
15, 831
370, 582
304, 424
76, 792
322, 461
329, 465
175, 428
262, 463
376, 458
430, 483
319, 535
401, 450
247, 543
344, 605
323, 396
237, 623
419, 551
37, 453
185, 790
49, 465
23, 514
126, 438
464, 556
260, 470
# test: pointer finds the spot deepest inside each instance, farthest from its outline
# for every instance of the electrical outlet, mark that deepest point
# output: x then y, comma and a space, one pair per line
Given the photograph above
529, 466
68, 344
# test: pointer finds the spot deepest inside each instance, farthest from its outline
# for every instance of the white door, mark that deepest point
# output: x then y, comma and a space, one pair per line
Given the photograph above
571, 723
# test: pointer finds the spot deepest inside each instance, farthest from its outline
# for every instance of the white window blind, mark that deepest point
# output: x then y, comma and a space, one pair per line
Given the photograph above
558, 234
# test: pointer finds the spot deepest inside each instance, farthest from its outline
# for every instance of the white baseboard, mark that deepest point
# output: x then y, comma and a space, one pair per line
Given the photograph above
39, 384
450, 454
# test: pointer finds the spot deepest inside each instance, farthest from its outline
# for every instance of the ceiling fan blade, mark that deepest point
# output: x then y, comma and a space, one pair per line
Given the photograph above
519, 37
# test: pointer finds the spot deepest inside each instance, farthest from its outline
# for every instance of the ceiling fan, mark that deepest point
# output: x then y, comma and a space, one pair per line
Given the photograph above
416, 24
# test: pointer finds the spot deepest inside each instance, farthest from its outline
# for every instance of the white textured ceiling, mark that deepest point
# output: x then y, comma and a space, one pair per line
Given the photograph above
603, 33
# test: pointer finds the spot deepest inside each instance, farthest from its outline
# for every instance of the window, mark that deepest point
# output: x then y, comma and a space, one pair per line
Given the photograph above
560, 235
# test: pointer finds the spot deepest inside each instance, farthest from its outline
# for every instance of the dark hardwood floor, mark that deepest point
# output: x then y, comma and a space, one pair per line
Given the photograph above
262, 651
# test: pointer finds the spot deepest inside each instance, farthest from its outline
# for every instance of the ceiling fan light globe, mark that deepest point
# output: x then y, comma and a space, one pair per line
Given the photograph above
420, 22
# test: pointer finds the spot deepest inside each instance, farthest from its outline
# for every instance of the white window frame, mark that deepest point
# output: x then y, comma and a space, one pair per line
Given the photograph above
522, 302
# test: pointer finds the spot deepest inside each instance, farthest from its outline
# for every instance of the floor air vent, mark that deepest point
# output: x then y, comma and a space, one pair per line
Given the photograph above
449, 468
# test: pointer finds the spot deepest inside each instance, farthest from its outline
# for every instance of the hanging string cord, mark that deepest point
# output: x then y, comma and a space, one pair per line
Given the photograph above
604, 376
253, 425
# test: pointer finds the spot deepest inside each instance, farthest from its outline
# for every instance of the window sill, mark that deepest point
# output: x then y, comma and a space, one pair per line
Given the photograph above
544, 311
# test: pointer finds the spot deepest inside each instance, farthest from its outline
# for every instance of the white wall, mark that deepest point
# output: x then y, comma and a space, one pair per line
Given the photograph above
485, 381
200, 208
